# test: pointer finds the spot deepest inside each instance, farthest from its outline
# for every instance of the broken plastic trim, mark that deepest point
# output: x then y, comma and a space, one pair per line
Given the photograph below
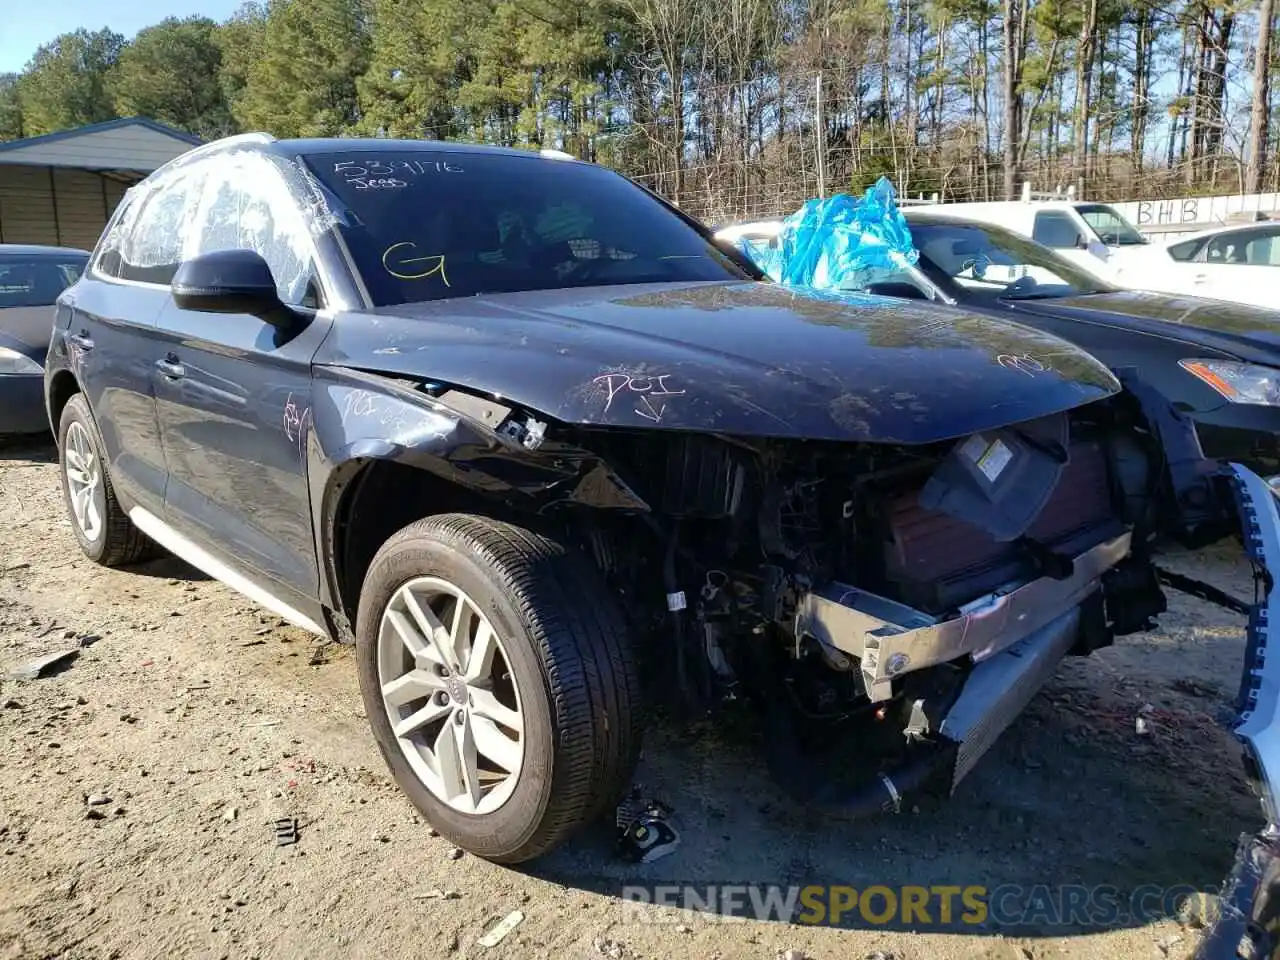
890, 639
1247, 923
1258, 702
993, 694
999, 689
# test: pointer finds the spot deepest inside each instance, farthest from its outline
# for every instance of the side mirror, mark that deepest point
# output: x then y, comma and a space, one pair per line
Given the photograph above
230, 281
896, 288
1082, 242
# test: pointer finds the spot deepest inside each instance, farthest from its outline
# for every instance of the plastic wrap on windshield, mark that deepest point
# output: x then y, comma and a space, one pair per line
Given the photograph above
322, 210
840, 243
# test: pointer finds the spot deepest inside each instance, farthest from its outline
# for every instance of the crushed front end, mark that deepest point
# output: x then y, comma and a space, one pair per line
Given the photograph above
983, 589
907, 600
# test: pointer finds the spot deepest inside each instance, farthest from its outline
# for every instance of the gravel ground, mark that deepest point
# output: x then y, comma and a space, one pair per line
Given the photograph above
139, 783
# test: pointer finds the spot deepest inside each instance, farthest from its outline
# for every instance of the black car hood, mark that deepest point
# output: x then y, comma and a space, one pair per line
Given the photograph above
1249, 333
745, 358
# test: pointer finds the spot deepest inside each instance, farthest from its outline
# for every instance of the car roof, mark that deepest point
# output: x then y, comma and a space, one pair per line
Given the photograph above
369, 144
307, 146
928, 218
38, 250
1224, 228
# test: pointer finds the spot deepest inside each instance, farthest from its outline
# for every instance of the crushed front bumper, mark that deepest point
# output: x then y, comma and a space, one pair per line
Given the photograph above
889, 639
1247, 921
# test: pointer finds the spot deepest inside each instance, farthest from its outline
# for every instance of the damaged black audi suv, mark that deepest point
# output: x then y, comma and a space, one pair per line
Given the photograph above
536, 444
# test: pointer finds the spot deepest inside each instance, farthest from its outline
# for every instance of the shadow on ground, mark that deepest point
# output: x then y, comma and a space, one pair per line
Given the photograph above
168, 567
1071, 824
38, 448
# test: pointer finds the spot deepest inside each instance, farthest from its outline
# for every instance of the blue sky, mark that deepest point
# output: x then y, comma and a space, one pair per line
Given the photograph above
41, 22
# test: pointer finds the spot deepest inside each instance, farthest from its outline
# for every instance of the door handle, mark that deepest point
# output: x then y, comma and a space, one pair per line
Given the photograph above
81, 340
171, 369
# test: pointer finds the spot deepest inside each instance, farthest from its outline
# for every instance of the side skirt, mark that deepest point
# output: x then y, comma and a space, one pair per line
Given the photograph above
202, 560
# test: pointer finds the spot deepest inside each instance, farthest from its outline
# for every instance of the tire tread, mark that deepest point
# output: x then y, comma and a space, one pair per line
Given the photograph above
590, 668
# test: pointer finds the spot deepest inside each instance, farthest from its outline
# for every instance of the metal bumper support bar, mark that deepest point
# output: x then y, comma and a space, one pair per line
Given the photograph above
890, 639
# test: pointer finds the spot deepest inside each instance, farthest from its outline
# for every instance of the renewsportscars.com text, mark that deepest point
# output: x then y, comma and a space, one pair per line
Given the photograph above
939, 906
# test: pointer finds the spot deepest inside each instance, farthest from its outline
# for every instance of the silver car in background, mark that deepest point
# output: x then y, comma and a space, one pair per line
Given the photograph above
31, 278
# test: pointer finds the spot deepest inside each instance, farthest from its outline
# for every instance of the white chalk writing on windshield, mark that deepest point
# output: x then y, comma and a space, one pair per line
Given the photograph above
371, 173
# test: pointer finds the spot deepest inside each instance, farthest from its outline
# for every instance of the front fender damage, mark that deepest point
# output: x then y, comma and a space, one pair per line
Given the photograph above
482, 445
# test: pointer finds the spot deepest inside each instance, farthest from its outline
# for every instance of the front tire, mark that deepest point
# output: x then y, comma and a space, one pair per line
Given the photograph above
102, 528
499, 682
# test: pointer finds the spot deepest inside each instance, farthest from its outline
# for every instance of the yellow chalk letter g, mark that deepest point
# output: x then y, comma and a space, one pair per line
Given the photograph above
438, 262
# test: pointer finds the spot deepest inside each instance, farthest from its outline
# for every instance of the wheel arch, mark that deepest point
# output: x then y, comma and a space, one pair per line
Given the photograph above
386, 453
367, 499
62, 386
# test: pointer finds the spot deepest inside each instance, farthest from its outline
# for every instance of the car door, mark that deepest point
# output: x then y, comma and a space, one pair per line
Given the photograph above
1173, 268
234, 395
1241, 265
105, 327
1062, 232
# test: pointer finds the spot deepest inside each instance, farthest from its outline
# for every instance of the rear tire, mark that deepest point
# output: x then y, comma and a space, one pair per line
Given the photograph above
104, 531
563, 671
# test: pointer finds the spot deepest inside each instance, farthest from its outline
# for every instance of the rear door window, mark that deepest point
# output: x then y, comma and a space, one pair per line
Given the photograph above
35, 281
1263, 249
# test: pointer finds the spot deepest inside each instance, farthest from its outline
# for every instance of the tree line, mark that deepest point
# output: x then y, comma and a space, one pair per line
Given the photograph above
731, 107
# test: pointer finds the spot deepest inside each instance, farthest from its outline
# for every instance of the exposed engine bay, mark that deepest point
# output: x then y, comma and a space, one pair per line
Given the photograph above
903, 600
925, 590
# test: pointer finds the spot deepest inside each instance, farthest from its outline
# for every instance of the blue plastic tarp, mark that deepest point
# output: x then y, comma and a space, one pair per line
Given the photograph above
839, 243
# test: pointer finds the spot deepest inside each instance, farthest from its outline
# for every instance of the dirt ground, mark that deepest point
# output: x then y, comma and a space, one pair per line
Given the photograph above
195, 720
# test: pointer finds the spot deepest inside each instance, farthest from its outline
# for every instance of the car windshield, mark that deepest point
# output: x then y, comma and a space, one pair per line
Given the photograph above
1111, 228
432, 225
36, 281
971, 261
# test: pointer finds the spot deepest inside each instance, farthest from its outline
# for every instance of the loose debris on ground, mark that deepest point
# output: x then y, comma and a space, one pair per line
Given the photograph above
188, 776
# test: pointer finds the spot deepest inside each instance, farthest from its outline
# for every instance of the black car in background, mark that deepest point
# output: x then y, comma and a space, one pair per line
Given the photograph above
1219, 362
31, 278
